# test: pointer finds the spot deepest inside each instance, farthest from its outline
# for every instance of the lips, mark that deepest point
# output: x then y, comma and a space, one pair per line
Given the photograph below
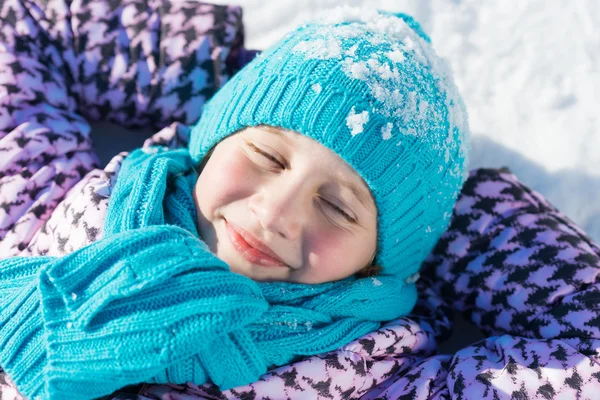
251, 248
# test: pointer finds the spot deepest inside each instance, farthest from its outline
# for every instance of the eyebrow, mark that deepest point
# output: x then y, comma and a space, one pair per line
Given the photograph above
365, 199
276, 131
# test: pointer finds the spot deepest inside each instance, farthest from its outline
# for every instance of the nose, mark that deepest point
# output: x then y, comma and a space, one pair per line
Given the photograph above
278, 207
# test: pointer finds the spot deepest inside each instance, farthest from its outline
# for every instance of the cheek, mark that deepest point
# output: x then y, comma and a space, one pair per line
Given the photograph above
224, 179
335, 255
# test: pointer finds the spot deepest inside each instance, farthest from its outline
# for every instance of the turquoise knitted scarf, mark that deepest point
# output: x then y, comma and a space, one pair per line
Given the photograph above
150, 303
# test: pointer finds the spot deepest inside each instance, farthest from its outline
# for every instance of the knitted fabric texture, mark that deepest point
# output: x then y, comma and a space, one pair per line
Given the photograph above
149, 303
368, 86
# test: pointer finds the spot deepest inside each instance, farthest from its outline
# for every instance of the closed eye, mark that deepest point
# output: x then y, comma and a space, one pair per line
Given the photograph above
266, 155
339, 210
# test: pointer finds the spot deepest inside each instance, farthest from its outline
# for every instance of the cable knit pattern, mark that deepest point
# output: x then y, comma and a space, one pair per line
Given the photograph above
93, 316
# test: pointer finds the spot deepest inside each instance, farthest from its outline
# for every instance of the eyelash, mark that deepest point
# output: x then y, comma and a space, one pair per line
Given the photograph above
344, 214
269, 157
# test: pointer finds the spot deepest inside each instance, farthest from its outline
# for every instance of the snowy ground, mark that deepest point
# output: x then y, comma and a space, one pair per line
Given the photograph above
529, 72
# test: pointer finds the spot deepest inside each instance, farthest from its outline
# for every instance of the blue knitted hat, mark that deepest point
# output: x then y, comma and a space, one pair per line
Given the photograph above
368, 86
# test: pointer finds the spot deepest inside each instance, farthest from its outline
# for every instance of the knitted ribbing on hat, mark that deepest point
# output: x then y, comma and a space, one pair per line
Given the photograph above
368, 86
149, 303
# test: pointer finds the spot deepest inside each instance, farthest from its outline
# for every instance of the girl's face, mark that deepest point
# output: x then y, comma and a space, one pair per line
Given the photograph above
276, 205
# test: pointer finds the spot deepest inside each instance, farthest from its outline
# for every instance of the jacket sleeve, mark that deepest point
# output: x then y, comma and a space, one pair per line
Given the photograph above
44, 143
529, 278
63, 63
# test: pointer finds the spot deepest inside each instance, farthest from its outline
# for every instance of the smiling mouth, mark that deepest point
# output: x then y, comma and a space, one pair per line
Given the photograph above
240, 239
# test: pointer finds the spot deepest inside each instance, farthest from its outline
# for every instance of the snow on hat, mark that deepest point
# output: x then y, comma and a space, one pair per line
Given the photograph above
368, 86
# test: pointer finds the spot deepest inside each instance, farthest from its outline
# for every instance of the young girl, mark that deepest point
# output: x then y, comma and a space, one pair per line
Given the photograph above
294, 223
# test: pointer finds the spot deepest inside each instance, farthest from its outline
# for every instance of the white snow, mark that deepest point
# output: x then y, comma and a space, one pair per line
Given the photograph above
351, 51
320, 48
327, 42
396, 56
356, 121
386, 131
356, 70
413, 278
529, 72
